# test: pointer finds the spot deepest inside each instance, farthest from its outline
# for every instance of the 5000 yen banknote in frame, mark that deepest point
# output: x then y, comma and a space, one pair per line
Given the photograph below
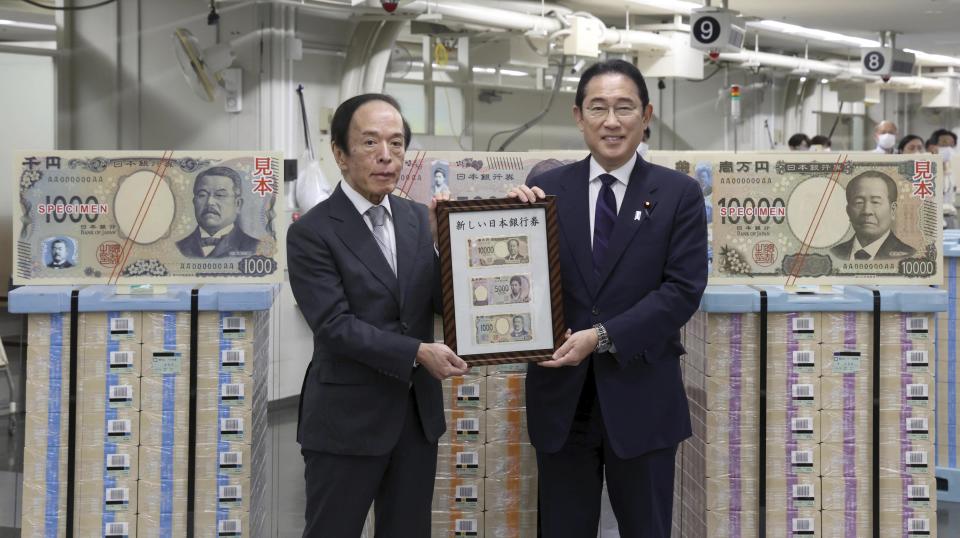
134, 217
500, 276
793, 219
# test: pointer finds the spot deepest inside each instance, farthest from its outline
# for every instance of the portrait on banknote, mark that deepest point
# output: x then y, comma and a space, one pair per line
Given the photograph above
125, 217
500, 278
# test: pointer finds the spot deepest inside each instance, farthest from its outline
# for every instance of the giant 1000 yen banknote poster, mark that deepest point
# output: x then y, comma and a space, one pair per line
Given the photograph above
792, 218
147, 217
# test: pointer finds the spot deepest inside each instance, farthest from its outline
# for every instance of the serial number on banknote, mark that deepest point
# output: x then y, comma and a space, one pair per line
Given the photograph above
503, 328
487, 251
500, 290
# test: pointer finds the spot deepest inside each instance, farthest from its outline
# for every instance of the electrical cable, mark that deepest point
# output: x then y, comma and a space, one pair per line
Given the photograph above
708, 77
517, 131
67, 8
836, 121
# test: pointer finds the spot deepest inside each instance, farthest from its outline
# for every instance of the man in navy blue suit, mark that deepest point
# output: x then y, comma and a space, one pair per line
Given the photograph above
633, 258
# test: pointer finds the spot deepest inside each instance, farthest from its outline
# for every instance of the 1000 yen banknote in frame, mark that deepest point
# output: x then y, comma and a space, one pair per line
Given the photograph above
791, 219
500, 276
147, 217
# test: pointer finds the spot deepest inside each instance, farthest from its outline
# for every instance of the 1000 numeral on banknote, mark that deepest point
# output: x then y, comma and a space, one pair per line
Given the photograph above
873, 219
147, 217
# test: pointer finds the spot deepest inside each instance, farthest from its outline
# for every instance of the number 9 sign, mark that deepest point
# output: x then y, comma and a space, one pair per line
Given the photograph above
706, 30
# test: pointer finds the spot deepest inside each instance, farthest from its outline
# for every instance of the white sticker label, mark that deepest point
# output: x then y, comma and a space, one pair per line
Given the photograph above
234, 324
232, 357
803, 357
117, 495
120, 359
465, 526
801, 424
118, 427
231, 425
801, 457
802, 524
118, 462
918, 525
918, 324
917, 425
804, 325
915, 458
231, 391
467, 392
116, 529
918, 391
802, 391
230, 493
231, 526
121, 325
121, 392
918, 492
803, 491
917, 357
467, 494
231, 459
468, 425
468, 459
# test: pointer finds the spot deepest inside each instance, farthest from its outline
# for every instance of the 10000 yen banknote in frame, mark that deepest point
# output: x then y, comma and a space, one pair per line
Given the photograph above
500, 277
147, 217
791, 219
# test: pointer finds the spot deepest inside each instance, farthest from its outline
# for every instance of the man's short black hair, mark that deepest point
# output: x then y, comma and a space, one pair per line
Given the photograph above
940, 132
622, 67
224, 172
931, 143
891, 184
340, 125
57, 240
820, 140
797, 140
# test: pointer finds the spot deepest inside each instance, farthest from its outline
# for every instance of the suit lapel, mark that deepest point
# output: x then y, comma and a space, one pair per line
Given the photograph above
353, 231
638, 194
574, 212
192, 244
406, 229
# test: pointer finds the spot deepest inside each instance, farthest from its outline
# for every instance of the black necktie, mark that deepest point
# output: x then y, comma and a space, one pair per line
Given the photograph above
861, 255
605, 216
209, 241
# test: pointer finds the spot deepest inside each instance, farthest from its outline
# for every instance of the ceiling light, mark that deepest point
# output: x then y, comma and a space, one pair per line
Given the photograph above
504, 72
810, 33
824, 81
803, 79
30, 25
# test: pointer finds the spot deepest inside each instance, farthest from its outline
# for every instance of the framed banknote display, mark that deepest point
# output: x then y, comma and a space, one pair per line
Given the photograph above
500, 275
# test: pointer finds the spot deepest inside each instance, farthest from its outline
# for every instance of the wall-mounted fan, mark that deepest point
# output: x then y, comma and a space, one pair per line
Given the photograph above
208, 69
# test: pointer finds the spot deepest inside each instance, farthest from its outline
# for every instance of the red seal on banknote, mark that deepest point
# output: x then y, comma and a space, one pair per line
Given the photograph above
764, 253
108, 253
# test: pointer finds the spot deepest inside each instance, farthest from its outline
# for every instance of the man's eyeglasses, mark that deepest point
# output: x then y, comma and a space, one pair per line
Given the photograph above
597, 112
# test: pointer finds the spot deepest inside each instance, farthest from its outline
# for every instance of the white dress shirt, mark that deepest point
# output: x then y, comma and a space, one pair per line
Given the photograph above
362, 205
619, 187
219, 235
871, 249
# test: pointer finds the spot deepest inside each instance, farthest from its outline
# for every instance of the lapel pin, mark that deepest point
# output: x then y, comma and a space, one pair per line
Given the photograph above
646, 204
637, 216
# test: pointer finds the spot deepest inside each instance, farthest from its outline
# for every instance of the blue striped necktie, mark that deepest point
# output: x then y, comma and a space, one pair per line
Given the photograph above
605, 216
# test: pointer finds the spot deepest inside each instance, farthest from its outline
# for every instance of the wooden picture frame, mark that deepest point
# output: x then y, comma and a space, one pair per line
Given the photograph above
500, 279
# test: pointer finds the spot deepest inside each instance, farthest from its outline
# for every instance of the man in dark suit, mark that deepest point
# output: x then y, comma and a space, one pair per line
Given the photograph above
217, 198
633, 259
872, 208
58, 255
365, 274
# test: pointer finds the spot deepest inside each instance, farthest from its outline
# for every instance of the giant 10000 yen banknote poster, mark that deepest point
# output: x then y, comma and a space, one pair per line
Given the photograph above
475, 175
147, 217
791, 219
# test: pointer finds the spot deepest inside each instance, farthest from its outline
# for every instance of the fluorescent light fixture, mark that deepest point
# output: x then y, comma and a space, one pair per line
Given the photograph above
803, 79
824, 81
671, 6
30, 25
504, 72
810, 33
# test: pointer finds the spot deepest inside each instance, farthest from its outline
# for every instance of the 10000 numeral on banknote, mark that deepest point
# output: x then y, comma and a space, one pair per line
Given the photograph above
147, 217
869, 219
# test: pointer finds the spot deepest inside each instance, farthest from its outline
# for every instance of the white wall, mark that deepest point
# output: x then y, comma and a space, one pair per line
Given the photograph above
27, 110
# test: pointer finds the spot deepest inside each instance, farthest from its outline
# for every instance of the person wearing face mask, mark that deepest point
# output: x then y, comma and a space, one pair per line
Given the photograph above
885, 134
644, 148
946, 148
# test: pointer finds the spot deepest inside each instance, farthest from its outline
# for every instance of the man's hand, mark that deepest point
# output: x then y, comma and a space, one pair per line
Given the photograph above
441, 361
433, 214
576, 347
526, 194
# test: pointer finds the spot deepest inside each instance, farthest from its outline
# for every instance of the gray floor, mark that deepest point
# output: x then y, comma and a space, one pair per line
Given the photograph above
286, 514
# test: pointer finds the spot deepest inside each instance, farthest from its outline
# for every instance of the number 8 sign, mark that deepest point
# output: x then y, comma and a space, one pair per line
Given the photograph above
873, 61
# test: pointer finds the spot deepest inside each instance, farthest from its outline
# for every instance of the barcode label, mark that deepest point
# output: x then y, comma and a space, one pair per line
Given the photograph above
917, 325
232, 357
803, 524
231, 460
918, 493
917, 357
231, 391
918, 391
803, 325
915, 458
234, 325
803, 358
229, 527
917, 425
801, 424
121, 393
118, 462
120, 528
465, 525
118, 427
468, 459
466, 494
230, 493
468, 392
915, 524
802, 457
120, 359
117, 495
802, 391
803, 491
231, 425
468, 425
121, 326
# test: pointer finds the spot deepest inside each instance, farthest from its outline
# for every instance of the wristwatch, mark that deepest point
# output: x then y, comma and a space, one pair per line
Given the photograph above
603, 341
